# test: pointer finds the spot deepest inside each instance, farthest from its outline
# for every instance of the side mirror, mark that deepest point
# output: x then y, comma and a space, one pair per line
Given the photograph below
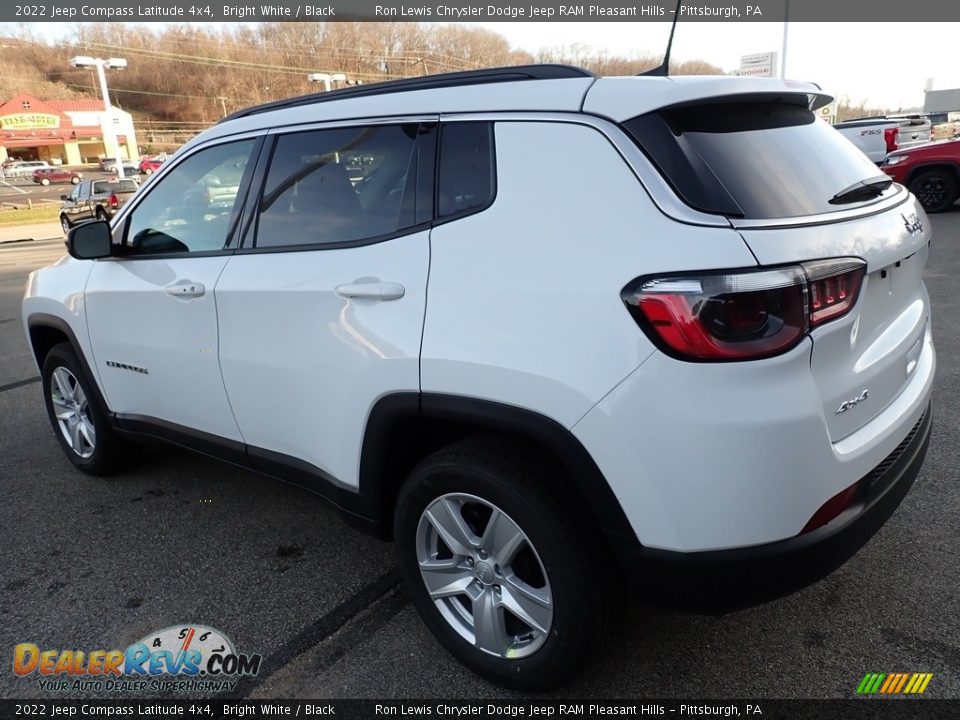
90, 241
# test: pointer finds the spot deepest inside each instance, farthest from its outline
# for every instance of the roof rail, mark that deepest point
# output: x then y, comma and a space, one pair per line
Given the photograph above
426, 82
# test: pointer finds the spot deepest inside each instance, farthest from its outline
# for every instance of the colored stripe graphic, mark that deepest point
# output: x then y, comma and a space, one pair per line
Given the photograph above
894, 683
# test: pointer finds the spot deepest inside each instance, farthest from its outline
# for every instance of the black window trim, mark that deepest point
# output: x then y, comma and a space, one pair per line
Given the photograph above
248, 244
119, 231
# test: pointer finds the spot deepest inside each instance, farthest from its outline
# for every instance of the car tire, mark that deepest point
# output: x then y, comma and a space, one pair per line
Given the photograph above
936, 190
101, 214
65, 224
148, 171
546, 595
78, 420
44, 181
74, 180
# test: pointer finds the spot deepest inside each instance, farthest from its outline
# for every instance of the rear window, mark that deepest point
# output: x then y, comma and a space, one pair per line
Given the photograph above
753, 159
116, 186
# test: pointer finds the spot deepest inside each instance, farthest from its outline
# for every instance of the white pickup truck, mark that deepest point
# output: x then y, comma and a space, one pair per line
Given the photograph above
877, 136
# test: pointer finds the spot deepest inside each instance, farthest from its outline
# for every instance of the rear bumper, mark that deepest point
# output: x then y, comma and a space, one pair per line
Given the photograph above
730, 579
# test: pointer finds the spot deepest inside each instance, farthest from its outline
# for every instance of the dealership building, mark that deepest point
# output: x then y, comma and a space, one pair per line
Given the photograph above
68, 132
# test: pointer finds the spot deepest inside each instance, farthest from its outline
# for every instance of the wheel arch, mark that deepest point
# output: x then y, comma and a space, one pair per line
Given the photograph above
952, 168
404, 428
47, 331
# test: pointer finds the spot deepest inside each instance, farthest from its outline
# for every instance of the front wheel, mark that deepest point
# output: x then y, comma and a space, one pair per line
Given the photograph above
74, 180
79, 422
65, 224
45, 181
936, 190
148, 171
502, 569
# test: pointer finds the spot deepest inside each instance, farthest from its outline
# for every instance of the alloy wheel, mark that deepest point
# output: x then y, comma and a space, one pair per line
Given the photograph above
73, 412
484, 576
932, 191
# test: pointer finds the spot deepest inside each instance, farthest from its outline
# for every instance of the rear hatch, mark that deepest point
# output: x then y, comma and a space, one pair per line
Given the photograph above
799, 192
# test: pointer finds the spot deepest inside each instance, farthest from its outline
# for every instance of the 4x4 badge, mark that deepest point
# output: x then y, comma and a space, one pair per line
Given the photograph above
912, 223
853, 402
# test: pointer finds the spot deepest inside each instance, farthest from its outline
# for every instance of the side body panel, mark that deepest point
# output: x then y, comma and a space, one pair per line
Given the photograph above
524, 299
303, 365
156, 353
57, 291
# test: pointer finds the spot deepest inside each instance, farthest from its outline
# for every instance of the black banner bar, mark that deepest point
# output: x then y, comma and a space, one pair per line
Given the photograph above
858, 11
534, 707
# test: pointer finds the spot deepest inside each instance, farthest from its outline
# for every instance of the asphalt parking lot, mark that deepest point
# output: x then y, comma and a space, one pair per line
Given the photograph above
17, 191
99, 563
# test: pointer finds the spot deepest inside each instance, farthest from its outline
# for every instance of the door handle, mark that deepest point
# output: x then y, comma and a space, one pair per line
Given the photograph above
373, 290
186, 289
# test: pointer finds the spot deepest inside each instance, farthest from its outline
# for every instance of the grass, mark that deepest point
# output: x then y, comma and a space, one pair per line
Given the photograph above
22, 216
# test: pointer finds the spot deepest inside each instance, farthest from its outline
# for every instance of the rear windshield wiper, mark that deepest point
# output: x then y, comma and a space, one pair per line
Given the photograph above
862, 190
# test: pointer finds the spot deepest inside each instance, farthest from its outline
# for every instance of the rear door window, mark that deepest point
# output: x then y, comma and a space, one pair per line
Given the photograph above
756, 159
334, 187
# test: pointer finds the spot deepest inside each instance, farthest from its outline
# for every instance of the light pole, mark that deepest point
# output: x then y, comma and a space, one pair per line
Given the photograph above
109, 132
326, 79
783, 52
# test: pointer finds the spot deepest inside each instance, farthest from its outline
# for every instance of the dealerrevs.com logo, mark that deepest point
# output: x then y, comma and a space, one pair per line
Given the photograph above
179, 658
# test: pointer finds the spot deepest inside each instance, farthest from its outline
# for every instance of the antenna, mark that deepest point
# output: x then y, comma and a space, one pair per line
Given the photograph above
663, 69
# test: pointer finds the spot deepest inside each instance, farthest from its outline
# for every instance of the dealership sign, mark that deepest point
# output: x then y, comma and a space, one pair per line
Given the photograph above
29, 121
759, 65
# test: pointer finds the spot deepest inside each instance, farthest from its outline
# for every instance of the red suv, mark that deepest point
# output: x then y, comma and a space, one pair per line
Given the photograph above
932, 172
45, 176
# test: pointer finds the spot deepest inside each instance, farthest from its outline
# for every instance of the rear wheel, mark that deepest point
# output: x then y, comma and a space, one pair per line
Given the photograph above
936, 190
502, 569
74, 180
148, 171
102, 214
44, 181
79, 422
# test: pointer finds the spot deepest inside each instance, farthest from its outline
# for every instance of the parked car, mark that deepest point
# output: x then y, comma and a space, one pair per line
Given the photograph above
95, 200
25, 168
877, 136
707, 369
932, 172
56, 175
150, 165
111, 165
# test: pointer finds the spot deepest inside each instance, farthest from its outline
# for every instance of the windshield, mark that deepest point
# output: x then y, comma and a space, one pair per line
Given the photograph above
754, 159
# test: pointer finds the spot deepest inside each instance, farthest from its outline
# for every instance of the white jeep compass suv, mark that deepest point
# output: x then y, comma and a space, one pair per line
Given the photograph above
546, 331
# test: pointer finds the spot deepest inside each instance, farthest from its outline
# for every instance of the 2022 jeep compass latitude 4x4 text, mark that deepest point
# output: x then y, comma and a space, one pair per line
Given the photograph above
546, 331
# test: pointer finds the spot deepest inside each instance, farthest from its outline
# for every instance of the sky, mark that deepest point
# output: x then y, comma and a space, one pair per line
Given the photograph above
881, 64
885, 64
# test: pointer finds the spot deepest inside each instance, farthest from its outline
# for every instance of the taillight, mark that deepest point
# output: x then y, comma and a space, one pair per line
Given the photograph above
114, 202
742, 315
890, 138
833, 287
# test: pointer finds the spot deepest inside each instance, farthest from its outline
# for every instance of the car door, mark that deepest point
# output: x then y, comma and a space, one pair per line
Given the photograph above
71, 203
151, 310
321, 312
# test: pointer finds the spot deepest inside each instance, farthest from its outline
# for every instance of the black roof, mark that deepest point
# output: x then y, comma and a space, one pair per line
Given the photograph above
426, 82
